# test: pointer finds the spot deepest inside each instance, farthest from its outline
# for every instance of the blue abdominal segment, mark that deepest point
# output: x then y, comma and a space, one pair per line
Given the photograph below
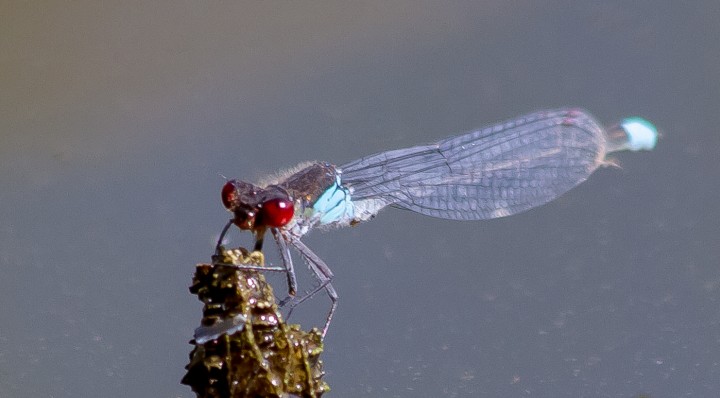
334, 205
642, 135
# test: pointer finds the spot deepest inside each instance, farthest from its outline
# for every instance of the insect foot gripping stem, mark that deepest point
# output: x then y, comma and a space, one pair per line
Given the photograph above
243, 347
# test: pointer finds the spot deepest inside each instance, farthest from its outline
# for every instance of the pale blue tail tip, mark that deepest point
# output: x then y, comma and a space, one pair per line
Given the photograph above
642, 135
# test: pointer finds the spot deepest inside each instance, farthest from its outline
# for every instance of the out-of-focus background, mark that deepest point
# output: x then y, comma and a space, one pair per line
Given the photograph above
117, 119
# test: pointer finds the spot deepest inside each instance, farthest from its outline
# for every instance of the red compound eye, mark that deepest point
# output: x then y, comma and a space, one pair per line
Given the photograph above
228, 194
276, 212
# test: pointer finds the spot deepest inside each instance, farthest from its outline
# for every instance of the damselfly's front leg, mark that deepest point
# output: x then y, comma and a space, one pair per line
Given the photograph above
287, 262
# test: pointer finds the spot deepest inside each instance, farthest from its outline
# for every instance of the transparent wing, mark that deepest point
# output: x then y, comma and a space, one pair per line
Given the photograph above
493, 172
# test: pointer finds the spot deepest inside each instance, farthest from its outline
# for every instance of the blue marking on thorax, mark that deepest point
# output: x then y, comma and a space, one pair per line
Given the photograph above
334, 204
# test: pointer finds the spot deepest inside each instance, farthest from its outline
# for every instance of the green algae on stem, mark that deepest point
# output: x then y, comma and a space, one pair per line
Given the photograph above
243, 347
